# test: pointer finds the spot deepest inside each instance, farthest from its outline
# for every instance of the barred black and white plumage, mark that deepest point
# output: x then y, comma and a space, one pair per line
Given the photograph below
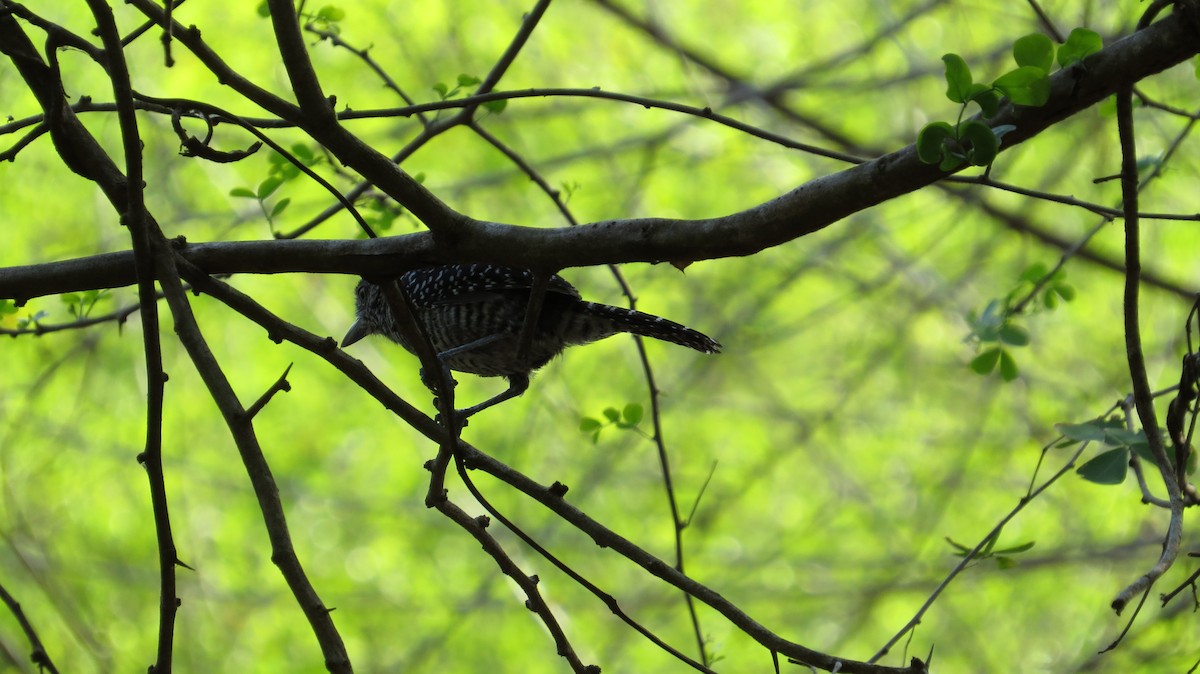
473, 314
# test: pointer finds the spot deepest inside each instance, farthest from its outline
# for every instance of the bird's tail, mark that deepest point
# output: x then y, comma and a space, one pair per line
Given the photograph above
648, 325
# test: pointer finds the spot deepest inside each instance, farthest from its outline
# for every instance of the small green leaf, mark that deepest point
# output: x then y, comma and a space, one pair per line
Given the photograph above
1008, 366
1143, 452
988, 100
632, 413
465, 80
1034, 272
287, 172
304, 154
958, 78
280, 206
612, 414
1107, 468
267, 187
1080, 44
1125, 438
496, 107
985, 362
1146, 164
243, 192
1064, 290
960, 549
1027, 85
1035, 50
589, 425
1090, 431
1014, 335
331, 13
931, 141
1016, 549
70, 299
986, 327
952, 162
263, 10
7, 307
442, 90
984, 145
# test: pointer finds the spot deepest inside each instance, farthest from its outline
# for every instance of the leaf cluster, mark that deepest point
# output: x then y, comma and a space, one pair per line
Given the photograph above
972, 141
996, 328
626, 418
1111, 465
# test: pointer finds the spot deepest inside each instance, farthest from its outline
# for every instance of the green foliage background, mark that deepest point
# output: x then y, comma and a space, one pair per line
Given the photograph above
845, 435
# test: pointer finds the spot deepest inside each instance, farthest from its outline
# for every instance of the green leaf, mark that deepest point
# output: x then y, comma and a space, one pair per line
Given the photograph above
331, 13
984, 145
7, 307
986, 327
1145, 164
465, 80
958, 78
960, 549
1080, 44
985, 362
1008, 366
1034, 272
96, 295
280, 206
1124, 438
1064, 290
589, 425
442, 90
267, 187
70, 299
1089, 431
1107, 468
1016, 549
243, 192
1144, 453
951, 162
632, 413
304, 154
1014, 335
1027, 85
612, 414
988, 100
931, 141
1035, 50
287, 172
496, 107
263, 10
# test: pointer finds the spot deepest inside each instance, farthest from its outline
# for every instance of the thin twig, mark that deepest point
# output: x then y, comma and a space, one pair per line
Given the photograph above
38, 655
143, 231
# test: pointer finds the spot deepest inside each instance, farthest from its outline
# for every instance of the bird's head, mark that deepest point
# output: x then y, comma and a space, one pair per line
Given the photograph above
371, 313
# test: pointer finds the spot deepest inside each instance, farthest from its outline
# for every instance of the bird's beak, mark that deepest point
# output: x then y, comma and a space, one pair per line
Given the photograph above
356, 332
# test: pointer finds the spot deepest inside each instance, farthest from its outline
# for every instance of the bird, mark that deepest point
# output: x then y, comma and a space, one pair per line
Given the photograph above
473, 315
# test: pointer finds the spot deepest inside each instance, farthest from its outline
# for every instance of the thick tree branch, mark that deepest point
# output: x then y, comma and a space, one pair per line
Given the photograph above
806, 209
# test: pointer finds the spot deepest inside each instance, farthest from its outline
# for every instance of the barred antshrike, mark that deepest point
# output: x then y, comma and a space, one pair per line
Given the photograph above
474, 313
